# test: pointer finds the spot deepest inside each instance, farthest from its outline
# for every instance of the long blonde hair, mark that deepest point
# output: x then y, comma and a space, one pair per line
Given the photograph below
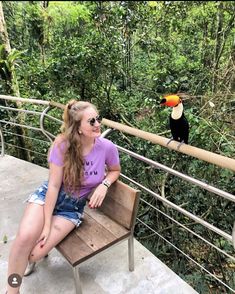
73, 159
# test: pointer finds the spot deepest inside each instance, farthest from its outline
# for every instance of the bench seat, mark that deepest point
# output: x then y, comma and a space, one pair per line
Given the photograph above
96, 233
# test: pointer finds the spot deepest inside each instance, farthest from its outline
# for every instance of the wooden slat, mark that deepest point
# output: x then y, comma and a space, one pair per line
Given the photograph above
93, 234
123, 194
120, 203
73, 248
118, 213
110, 225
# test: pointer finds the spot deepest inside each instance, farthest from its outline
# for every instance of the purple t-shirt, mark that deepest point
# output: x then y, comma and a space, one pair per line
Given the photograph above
104, 152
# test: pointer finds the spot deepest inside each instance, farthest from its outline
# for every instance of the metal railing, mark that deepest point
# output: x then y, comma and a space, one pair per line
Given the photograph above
10, 121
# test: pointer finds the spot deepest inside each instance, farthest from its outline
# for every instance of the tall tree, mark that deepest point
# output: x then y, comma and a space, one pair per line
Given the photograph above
7, 48
9, 68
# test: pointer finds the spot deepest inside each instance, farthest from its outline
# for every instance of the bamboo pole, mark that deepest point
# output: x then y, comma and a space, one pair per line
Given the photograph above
35, 101
217, 159
24, 100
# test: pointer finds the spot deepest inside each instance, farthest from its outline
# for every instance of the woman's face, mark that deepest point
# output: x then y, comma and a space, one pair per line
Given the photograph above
90, 123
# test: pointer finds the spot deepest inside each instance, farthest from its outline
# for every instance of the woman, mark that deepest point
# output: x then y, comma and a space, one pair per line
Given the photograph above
80, 162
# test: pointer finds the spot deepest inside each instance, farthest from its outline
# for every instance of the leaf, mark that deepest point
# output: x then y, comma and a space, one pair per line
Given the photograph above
152, 3
211, 104
5, 239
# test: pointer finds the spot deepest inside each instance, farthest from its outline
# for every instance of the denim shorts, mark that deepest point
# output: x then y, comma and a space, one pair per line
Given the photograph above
66, 206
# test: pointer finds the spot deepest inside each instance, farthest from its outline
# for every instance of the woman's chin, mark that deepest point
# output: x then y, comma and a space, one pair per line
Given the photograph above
97, 134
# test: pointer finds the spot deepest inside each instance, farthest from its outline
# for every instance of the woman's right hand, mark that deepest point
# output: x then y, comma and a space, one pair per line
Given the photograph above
44, 235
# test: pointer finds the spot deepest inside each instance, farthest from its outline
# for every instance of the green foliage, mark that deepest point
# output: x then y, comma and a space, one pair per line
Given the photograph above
8, 61
124, 56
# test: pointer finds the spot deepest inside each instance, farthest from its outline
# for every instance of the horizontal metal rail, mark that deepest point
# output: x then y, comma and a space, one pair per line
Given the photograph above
189, 179
53, 118
19, 125
187, 229
21, 110
186, 255
31, 112
25, 126
18, 147
27, 137
181, 210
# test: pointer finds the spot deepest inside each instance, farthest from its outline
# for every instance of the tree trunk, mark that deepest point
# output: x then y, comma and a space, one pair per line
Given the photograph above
127, 58
218, 49
42, 38
223, 31
3, 31
231, 65
14, 87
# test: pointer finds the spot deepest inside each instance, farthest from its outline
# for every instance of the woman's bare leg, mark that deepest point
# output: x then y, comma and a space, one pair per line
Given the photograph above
60, 227
29, 231
24, 248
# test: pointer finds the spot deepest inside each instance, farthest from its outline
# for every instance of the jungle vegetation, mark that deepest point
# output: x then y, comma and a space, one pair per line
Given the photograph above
123, 56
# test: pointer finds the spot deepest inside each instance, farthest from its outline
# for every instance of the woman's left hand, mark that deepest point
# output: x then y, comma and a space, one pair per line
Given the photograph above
98, 196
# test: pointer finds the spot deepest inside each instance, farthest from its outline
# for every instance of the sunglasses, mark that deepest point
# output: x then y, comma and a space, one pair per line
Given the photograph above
94, 119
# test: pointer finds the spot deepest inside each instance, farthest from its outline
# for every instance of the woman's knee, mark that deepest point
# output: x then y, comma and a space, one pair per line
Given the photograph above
25, 239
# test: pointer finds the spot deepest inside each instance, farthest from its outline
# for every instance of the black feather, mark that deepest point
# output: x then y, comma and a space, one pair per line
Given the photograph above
180, 129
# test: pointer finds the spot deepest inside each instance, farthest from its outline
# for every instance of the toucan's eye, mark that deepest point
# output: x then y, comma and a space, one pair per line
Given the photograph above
163, 101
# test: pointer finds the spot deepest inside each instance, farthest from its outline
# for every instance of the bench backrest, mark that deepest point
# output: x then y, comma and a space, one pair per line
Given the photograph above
121, 203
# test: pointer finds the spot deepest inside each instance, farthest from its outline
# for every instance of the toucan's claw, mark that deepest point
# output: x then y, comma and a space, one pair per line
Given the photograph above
178, 147
169, 141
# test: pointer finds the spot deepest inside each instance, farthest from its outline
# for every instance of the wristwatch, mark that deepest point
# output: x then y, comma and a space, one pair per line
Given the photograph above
106, 183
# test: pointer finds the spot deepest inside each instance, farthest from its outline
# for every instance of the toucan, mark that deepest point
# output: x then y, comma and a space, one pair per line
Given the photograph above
178, 123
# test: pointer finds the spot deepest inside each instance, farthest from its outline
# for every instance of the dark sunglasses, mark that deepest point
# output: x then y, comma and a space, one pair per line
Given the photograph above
94, 119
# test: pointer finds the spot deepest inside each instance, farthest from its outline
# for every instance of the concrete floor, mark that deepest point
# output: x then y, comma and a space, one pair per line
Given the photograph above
105, 273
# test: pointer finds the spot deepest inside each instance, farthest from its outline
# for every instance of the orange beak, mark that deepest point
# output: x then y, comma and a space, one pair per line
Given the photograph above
170, 100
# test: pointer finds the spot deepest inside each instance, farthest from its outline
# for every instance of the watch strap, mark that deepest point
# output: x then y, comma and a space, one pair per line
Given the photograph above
106, 183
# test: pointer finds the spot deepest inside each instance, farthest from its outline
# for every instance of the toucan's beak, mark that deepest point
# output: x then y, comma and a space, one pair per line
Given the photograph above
170, 100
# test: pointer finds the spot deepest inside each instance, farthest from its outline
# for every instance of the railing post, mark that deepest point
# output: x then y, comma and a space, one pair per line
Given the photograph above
42, 123
106, 133
2, 141
233, 235
77, 280
131, 253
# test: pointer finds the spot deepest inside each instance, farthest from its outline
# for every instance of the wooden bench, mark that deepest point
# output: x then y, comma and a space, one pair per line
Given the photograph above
102, 228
